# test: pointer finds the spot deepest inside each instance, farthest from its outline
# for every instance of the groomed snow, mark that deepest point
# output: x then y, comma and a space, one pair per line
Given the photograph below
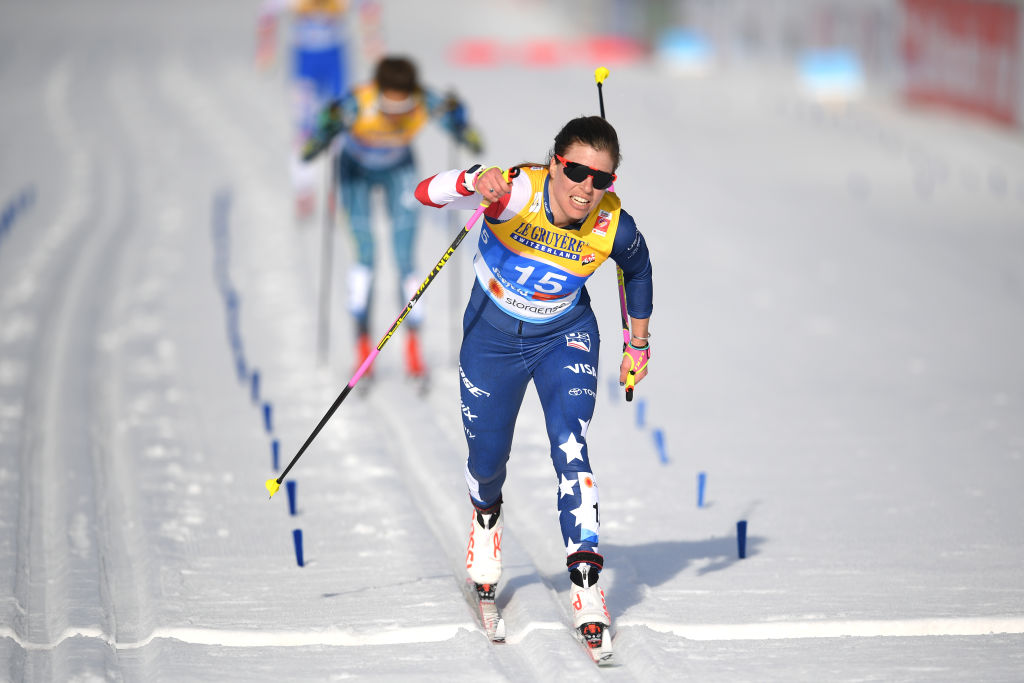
837, 338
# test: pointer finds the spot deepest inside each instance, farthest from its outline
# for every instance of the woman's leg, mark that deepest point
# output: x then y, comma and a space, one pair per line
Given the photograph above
355, 195
493, 380
399, 192
566, 378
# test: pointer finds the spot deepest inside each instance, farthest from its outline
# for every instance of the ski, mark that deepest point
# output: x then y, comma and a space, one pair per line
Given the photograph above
481, 598
597, 640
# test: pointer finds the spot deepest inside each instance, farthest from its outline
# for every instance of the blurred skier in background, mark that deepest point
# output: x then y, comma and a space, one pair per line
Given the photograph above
380, 120
545, 232
320, 67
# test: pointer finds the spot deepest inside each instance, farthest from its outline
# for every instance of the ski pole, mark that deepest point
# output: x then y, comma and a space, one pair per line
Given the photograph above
326, 258
600, 74
631, 375
455, 284
274, 484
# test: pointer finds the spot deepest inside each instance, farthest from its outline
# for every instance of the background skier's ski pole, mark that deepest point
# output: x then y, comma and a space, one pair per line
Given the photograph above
274, 484
326, 258
600, 74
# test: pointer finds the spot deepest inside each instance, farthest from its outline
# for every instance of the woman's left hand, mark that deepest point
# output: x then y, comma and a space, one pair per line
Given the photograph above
634, 360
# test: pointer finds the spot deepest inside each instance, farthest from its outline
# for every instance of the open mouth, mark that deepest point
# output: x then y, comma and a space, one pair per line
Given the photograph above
581, 202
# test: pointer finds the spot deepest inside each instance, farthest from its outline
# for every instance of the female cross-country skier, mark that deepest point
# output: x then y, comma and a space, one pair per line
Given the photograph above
319, 63
546, 230
381, 120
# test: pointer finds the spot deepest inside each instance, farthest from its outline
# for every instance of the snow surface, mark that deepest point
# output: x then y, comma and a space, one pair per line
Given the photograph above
837, 344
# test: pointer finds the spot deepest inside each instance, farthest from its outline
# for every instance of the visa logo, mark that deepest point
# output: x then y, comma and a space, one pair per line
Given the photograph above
582, 368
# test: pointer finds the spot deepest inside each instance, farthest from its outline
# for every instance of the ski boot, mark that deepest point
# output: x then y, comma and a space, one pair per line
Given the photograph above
483, 563
415, 369
413, 359
483, 554
305, 205
590, 617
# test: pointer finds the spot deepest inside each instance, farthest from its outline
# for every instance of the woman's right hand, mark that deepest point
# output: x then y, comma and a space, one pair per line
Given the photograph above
491, 185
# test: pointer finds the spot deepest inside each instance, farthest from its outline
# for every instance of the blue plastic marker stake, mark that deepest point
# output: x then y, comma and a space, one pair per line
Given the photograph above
255, 386
659, 443
266, 418
231, 301
234, 336
240, 364
275, 450
297, 538
741, 537
702, 480
290, 485
641, 407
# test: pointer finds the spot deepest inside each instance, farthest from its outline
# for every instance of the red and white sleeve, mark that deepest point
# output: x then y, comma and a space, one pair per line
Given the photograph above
455, 190
448, 187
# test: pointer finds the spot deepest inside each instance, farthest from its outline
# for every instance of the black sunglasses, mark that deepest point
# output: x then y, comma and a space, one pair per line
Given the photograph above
578, 173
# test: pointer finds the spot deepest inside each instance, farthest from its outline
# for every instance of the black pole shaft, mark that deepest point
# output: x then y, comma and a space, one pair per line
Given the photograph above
454, 280
323, 421
327, 261
618, 269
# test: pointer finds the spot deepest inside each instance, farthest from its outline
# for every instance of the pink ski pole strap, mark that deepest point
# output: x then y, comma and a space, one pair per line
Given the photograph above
638, 357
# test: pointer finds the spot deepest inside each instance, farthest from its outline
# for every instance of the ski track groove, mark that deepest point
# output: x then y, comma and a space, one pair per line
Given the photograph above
135, 617
72, 563
41, 583
86, 244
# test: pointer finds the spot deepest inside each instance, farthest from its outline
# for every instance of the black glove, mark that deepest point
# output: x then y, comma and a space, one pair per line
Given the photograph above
456, 119
470, 138
454, 112
328, 125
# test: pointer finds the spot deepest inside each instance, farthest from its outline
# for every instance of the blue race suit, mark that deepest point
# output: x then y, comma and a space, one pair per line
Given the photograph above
549, 335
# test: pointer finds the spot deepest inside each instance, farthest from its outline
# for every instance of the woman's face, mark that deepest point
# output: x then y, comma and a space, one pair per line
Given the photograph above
394, 104
571, 202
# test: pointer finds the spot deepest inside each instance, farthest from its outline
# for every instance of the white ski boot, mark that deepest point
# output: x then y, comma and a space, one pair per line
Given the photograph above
483, 563
483, 555
590, 617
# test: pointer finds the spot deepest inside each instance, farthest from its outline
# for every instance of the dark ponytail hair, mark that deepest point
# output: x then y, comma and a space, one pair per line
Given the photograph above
592, 131
396, 73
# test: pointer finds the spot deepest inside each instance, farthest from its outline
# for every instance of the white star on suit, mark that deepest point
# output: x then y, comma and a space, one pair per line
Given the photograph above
572, 448
583, 515
567, 487
584, 425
